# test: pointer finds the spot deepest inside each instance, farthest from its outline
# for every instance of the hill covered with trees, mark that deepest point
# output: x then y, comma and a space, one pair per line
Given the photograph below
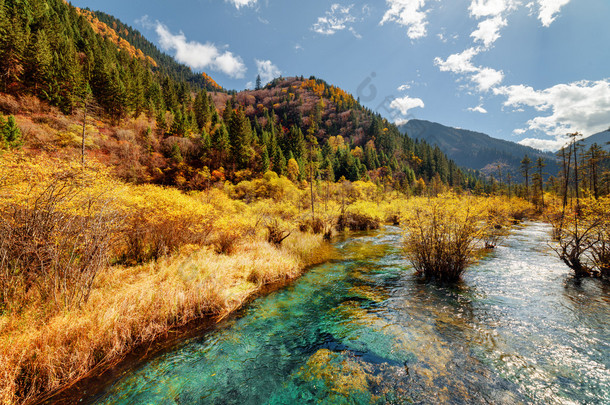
478, 151
157, 121
67, 56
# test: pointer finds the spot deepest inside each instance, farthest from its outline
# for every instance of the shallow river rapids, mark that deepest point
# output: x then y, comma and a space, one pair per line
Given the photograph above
363, 329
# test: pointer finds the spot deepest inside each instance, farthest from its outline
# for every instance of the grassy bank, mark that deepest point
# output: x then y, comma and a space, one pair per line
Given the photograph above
160, 259
133, 305
92, 267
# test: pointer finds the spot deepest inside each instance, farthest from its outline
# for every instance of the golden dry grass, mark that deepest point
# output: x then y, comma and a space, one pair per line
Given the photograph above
178, 257
133, 305
182, 257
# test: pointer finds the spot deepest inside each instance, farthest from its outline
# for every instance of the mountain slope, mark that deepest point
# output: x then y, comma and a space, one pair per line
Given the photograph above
187, 137
165, 63
476, 150
66, 56
601, 138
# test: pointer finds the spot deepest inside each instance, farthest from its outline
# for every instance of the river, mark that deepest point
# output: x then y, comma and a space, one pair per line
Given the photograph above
363, 329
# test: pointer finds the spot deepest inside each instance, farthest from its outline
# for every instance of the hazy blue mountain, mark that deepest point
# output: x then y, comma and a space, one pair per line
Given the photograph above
601, 138
476, 150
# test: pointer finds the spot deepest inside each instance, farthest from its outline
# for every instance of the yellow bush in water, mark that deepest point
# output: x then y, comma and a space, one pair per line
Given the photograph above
583, 234
442, 235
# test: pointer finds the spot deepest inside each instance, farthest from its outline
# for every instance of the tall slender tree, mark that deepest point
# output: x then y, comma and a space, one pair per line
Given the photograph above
525, 169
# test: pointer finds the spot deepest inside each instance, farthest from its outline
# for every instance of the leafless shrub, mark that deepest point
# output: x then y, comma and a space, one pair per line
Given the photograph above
277, 234
49, 250
147, 240
226, 240
125, 135
356, 222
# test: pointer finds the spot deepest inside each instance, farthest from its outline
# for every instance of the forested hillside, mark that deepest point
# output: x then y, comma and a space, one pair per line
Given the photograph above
165, 63
159, 122
65, 56
479, 151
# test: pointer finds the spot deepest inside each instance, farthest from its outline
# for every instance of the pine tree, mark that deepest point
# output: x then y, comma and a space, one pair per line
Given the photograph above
240, 132
540, 179
3, 143
10, 134
258, 82
201, 109
206, 141
265, 162
221, 144
13, 43
176, 154
39, 65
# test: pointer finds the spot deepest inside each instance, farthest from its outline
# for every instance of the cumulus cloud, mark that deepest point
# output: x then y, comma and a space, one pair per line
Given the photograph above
404, 87
242, 3
338, 18
549, 9
199, 56
488, 30
490, 8
408, 13
404, 104
545, 144
478, 109
486, 78
267, 70
582, 106
458, 62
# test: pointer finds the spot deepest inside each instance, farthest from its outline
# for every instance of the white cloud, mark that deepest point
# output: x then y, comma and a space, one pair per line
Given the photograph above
549, 9
404, 104
544, 144
409, 14
404, 87
337, 19
490, 8
353, 31
198, 55
582, 106
488, 30
519, 131
267, 70
242, 3
458, 62
478, 109
486, 78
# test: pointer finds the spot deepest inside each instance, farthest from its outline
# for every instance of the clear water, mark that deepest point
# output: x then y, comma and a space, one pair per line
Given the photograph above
364, 330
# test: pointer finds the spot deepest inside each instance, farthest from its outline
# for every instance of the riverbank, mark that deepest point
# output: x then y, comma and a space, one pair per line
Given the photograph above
519, 328
131, 306
92, 267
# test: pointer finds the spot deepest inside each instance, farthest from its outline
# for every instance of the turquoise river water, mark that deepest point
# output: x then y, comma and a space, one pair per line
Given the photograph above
364, 330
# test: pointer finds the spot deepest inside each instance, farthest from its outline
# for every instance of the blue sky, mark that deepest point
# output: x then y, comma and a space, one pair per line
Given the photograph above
528, 71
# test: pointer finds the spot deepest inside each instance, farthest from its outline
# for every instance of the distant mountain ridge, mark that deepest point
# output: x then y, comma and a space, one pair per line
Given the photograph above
476, 150
600, 138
